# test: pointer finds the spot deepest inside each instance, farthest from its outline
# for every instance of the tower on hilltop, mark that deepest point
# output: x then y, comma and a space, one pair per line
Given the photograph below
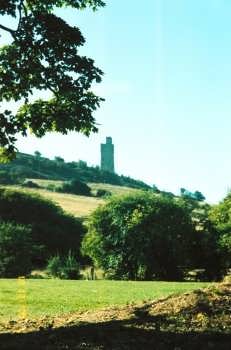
107, 155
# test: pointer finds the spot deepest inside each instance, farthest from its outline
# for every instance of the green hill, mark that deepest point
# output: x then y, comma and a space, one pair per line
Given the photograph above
38, 167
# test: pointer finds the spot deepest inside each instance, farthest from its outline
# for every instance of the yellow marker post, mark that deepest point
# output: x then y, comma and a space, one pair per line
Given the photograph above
21, 298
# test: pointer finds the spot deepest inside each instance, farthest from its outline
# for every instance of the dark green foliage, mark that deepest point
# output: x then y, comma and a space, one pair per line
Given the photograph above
155, 189
44, 55
75, 187
10, 178
29, 166
65, 267
103, 193
59, 160
53, 231
52, 187
16, 250
220, 216
204, 248
30, 184
140, 237
197, 195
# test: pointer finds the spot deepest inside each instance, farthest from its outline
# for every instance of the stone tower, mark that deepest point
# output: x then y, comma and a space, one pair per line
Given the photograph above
107, 155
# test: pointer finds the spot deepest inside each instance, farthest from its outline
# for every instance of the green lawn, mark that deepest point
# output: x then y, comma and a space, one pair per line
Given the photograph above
52, 297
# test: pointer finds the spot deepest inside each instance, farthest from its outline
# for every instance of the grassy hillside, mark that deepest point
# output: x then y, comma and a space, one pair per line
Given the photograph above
114, 189
80, 206
36, 166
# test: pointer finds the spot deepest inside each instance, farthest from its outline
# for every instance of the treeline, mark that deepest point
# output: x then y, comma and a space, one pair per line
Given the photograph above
38, 167
158, 237
32, 230
143, 236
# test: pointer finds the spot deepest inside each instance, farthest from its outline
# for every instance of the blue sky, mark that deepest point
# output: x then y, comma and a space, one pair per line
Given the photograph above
167, 86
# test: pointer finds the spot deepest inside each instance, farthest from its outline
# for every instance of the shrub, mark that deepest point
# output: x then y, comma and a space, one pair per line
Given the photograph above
140, 236
75, 187
52, 187
65, 267
103, 193
54, 266
30, 184
8, 178
52, 230
220, 216
16, 250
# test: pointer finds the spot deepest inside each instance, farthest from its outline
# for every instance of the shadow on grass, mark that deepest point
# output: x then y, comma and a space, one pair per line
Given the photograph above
141, 332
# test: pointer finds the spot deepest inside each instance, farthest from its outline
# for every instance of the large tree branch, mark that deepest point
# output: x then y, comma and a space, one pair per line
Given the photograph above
24, 8
20, 14
11, 31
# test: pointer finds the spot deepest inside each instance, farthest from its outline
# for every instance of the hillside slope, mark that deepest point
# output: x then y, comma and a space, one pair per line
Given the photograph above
29, 166
79, 206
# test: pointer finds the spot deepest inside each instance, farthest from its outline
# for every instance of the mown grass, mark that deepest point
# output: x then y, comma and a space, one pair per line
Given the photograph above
55, 297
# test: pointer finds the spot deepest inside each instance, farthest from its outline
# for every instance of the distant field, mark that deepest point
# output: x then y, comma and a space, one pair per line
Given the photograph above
44, 183
55, 297
115, 190
80, 206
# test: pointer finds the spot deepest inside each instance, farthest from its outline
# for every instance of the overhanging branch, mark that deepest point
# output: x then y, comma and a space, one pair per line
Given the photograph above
20, 13
11, 31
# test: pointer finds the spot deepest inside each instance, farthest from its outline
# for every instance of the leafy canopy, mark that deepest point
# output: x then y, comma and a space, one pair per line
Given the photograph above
43, 55
16, 249
220, 215
140, 236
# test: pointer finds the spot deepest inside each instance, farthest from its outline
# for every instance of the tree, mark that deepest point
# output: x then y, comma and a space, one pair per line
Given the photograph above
155, 189
204, 249
220, 215
199, 196
141, 236
59, 160
37, 154
10, 178
16, 249
52, 230
43, 55
76, 187
182, 191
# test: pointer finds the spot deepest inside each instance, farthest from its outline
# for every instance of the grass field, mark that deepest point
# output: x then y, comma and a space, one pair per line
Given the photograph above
80, 206
37, 298
115, 190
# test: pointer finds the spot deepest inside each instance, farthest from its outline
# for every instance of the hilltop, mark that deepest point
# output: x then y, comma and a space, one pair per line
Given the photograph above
38, 167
